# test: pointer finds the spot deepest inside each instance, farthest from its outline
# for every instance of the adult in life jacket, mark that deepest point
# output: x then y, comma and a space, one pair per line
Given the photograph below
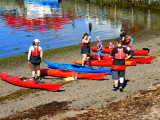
99, 47
85, 47
35, 54
119, 53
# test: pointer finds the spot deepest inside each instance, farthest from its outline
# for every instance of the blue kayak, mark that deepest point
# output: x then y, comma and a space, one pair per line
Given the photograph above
78, 68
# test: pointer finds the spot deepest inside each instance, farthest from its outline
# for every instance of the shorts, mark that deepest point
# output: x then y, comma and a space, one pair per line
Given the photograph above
99, 52
117, 74
85, 50
35, 66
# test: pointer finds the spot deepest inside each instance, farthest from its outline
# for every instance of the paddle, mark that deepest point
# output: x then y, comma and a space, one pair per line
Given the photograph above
90, 29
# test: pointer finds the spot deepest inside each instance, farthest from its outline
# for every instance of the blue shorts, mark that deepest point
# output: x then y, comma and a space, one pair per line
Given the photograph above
117, 74
99, 52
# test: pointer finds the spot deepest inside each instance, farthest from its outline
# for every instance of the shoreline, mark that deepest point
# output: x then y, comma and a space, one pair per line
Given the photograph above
83, 94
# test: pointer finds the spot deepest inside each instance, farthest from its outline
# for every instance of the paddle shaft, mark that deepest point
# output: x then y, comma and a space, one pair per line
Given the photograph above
90, 29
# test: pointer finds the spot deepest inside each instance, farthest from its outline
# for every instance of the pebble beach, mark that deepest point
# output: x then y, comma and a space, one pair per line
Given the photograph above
82, 95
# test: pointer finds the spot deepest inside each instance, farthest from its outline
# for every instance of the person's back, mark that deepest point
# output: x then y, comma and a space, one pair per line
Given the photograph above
118, 66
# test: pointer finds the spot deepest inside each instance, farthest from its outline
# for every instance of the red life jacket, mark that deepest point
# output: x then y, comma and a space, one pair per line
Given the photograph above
118, 67
85, 44
36, 51
120, 54
98, 46
128, 39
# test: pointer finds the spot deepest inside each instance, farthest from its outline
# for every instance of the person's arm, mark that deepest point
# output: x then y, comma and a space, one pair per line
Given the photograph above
41, 52
86, 40
113, 52
29, 52
126, 51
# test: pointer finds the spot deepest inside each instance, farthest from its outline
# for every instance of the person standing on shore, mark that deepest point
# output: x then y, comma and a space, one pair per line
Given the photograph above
119, 53
99, 47
35, 54
85, 47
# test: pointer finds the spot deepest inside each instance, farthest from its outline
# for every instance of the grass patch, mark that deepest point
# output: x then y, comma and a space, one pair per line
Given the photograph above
18, 93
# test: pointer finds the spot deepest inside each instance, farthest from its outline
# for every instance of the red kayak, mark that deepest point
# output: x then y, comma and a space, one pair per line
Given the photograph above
138, 60
70, 73
108, 50
102, 62
28, 82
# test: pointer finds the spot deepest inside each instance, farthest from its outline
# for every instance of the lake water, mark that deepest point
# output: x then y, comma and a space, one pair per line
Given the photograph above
58, 24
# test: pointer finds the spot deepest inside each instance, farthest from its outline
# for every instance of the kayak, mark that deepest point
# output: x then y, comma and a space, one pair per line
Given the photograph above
138, 60
78, 68
70, 73
29, 83
102, 62
108, 50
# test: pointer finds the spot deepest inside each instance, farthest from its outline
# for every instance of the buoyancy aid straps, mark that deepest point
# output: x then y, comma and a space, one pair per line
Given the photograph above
120, 54
36, 51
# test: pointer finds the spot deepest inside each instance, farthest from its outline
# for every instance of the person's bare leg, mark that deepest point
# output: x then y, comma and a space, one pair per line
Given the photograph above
84, 58
116, 83
33, 74
38, 73
121, 84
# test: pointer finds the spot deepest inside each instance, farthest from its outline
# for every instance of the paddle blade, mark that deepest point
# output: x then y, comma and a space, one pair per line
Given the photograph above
90, 28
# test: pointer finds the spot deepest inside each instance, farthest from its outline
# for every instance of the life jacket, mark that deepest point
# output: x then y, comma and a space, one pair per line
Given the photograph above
98, 45
118, 67
111, 46
85, 44
36, 51
128, 39
120, 53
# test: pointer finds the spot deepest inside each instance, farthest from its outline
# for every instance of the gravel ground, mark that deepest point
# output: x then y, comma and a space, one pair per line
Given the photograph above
82, 95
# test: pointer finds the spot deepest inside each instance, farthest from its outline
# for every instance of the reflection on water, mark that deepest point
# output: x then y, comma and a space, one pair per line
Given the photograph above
59, 24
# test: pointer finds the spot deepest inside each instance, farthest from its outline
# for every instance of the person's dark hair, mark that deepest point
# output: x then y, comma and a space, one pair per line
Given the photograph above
122, 29
33, 43
85, 34
119, 40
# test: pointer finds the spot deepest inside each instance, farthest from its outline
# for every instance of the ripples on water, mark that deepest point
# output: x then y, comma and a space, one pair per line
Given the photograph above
59, 24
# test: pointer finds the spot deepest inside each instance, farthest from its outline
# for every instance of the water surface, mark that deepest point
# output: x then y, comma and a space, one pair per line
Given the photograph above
58, 24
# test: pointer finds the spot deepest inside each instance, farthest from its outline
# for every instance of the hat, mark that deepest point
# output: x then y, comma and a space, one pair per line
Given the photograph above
119, 40
98, 37
36, 40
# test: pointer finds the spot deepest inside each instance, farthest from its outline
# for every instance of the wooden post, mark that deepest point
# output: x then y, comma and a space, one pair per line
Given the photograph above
149, 2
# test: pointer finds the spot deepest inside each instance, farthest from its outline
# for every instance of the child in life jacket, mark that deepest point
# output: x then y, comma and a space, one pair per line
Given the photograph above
111, 45
129, 41
99, 47
119, 53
